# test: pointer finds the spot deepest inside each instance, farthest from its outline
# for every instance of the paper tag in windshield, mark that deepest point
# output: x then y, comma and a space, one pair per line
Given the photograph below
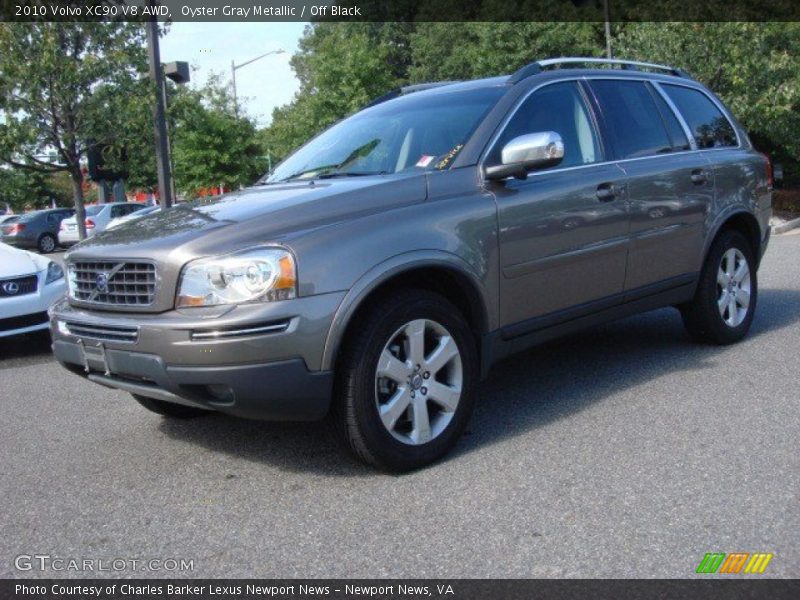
425, 160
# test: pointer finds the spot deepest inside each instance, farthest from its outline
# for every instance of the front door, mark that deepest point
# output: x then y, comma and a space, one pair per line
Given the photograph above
563, 232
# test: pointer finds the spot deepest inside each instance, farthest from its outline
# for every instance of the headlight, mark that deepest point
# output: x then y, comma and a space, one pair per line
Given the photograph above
54, 273
258, 275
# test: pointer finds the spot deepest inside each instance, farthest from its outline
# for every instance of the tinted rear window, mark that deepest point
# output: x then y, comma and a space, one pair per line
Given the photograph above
93, 210
711, 129
634, 124
676, 133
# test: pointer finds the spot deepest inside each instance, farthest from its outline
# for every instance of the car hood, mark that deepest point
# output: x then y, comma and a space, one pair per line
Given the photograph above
269, 213
14, 262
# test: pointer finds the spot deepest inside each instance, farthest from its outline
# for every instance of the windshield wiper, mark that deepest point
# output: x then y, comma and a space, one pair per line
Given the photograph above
332, 174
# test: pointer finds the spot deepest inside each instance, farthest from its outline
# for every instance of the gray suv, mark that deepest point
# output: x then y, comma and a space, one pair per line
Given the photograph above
376, 275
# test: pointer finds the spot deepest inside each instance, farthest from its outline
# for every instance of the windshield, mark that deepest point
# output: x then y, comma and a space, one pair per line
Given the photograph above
424, 131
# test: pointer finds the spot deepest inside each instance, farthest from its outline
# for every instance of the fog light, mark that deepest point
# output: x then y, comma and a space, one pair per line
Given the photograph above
62, 328
221, 393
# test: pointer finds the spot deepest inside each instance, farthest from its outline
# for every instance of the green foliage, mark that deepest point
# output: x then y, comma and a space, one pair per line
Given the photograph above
210, 144
64, 86
753, 67
25, 190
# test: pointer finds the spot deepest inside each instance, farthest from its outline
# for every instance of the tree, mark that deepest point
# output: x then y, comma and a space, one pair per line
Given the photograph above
341, 67
63, 87
211, 145
753, 67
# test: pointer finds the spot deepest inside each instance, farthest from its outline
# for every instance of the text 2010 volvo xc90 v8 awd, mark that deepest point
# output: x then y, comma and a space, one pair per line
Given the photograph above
379, 271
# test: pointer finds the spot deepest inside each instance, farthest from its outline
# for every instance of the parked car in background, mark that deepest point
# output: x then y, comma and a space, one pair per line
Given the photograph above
137, 214
29, 285
376, 275
36, 230
97, 219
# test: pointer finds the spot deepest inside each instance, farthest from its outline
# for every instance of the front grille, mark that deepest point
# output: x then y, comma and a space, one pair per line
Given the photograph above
114, 283
19, 286
24, 321
106, 333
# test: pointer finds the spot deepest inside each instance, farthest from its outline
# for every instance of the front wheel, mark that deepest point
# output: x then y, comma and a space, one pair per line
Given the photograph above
725, 301
406, 381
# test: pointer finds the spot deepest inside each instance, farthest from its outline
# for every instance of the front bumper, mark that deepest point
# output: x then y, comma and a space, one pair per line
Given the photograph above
28, 313
270, 368
278, 391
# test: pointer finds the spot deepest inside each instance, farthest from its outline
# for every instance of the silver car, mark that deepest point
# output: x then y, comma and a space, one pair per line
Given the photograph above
377, 274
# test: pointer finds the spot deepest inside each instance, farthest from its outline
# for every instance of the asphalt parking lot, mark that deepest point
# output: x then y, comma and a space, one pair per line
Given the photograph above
624, 451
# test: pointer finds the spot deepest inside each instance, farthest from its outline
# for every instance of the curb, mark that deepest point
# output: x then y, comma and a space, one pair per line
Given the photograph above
784, 227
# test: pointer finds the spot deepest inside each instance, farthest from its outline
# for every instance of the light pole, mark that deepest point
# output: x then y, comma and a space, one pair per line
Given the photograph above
159, 114
235, 67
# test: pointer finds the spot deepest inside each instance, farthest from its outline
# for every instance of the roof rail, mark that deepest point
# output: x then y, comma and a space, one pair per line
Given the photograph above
407, 89
632, 65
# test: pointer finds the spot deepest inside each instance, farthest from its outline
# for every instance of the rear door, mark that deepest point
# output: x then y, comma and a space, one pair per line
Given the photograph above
670, 186
563, 231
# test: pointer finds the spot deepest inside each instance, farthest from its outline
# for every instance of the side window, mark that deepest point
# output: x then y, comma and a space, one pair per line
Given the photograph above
54, 218
560, 108
634, 125
711, 129
132, 208
676, 133
118, 211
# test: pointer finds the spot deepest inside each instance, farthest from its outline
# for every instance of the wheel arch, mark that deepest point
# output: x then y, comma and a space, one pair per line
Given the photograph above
745, 223
441, 272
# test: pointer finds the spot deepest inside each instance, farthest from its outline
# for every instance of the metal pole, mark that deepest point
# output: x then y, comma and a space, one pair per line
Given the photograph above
235, 100
159, 115
607, 17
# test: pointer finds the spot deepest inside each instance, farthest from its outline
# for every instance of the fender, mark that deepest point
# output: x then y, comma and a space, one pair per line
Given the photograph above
723, 218
384, 271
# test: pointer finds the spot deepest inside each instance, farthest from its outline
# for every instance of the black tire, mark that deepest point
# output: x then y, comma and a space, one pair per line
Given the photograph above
170, 409
701, 316
47, 243
354, 415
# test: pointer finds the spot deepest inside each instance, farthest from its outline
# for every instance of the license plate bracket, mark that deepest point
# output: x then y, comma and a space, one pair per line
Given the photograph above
94, 354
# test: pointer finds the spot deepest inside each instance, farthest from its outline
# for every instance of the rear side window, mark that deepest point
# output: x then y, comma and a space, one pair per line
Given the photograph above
635, 126
560, 108
676, 133
711, 129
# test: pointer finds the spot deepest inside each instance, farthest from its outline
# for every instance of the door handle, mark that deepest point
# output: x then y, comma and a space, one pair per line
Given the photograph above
699, 176
606, 192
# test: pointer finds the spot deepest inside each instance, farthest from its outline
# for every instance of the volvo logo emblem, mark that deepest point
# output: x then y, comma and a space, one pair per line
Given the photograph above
11, 287
101, 282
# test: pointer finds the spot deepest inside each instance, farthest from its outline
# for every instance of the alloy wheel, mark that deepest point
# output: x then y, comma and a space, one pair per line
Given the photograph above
733, 287
418, 381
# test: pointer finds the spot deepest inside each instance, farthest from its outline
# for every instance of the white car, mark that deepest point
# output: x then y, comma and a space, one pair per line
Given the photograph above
137, 214
29, 285
97, 219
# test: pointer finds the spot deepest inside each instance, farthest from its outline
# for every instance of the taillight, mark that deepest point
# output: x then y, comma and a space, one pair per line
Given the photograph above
89, 224
16, 228
770, 171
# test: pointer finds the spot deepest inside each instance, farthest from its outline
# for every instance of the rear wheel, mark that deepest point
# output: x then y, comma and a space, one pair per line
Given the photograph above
724, 304
406, 381
47, 243
170, 409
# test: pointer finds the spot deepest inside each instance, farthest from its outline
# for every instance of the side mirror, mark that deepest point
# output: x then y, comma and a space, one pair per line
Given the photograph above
526, 153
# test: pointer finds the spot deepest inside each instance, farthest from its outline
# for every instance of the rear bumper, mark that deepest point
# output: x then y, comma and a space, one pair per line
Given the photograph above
18, 241
279, 391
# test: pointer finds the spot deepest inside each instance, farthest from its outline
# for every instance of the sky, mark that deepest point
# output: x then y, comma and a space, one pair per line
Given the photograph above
210, 47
